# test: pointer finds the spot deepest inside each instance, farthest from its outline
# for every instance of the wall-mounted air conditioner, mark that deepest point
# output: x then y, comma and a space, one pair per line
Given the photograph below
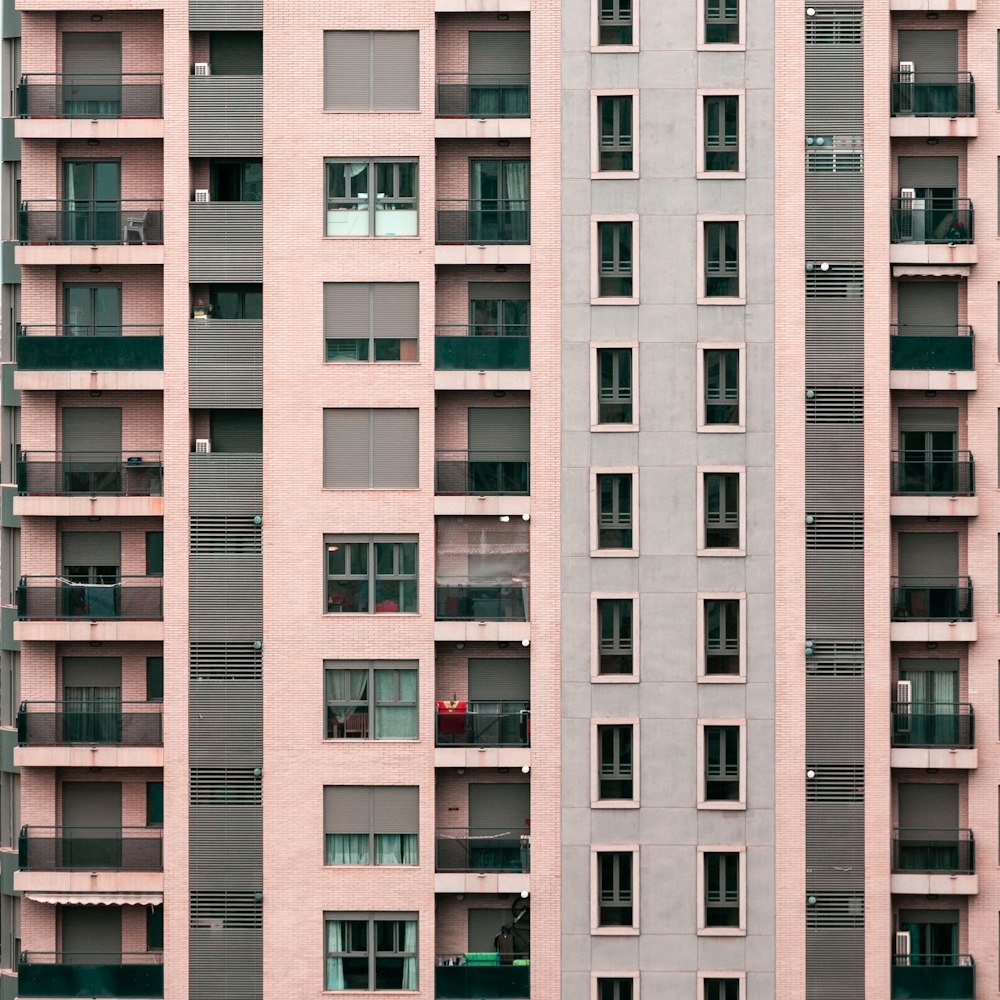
912, 217
905, 97
902, 947
202, 446
202, 69
904, 705
201, 194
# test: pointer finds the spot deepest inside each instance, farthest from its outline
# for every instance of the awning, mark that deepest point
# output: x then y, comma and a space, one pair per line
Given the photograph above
931, 270
98, 898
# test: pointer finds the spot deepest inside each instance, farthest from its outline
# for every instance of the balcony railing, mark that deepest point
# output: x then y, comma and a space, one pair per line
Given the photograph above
481, 976
933, 95
933, 724
931, 348
90, 974
484, 724
930, 599
54, 598
461, 599
484, 221
483, 95
90, 95
481, 473
91, 473
504, 347
91, 848
931, 220
952, 851
483, 849
91, 222
117, 723
933, 977
914, 475
90, 348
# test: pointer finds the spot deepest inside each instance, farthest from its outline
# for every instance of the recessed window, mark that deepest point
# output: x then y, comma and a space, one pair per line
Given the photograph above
615, 776
234, 302
614, 511
371, 198
154, 803
371, 575
370, 700
722, 260
722, 889
370, 449
154, 928
236, 180
615, 988
371, 951
614, 889
371, 70
614, 636
722, 22
722, 510
722, 763
154, 553
365, 825
371, 321
721, 133
614, 22
614, 250
721, 988
614, 385
722, 637
722, 386
154, 678
614, 133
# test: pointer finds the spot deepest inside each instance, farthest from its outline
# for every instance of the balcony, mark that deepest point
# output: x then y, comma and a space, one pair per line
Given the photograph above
936, 862
90, 974
479, 358
483, 724
932, 609
932, 357
483, 106
471, 473
933, 735
480, 976
482, 849
57, 848
932, 232
933, 487
933, 977
465, 600
483, 231
932, 104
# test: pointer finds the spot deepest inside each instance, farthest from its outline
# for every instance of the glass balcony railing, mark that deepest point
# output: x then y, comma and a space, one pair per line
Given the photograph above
484, 221
931, 221
114, 723
933, 95
482, 976
933, 724
481, 473
931, 348
483, 724
90, 348
90, 848
482, 348
929, 598
922, 475
483, 95
53, 598
933, 977
69, 223
949, 851
90, 974
483, 849
91, 473
461, 599
90, 95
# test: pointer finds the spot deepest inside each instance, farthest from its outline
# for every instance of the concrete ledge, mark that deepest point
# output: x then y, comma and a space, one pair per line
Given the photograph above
950, 128
477, 254
473, 381
481, 631
928, 758
477, 6
933, 884
88, 881
86, 631
89, 5
931, 632
482, 128
84, 756
490, 882
960, 254
939, 381
84, 128
922, 5
513, 757
105, 381
86, 254
931, 506
514, 506
88, 506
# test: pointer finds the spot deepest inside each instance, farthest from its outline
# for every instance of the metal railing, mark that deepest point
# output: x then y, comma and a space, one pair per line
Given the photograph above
930, 598
121, 723
461, 599
915, 850
484, 221
484, 347
90, 974
94, 222
485, 723
84, 347
918, 475
931, 348
483, 95
481, 473
91, 848
933, 95
90, 95
933, 724
482, 976
482, 849
53, 598
90, 473
931, 220
923, 976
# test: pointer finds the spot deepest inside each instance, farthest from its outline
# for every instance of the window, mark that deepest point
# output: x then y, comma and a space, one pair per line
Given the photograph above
154, 928
236, 302
370, 449
721, 377
722, 764
722, 510
615, 988
371, 699
371, 198
236, 180
371, 321
154, 803
614, 274
614, 511
371, 70
154, 553
721, 988
614, 22
614, 636
371, 575
615, 780
614, 385
722, 637
722, 889
614, 889
722, 260
614, 134
370, 825
371, 951
154, 678
721, 127
722, 22
236, 53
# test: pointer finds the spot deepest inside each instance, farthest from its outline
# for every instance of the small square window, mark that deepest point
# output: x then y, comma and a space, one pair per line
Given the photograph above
721, 988
614, 22
615, 648
371, 576
615, 147
615, 404
371, 700
722, 22
722, 763
614, 512
615, 988
371, 198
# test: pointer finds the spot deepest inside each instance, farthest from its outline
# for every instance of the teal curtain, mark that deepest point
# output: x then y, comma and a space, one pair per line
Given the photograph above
934, 694
394, 718
395, 848
410, 947
347, 849
336, 937
92, 714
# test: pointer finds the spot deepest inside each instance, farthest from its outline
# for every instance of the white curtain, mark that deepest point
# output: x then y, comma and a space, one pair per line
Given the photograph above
393, 721
346, 691
347, 849
336, 936
395, 848
410, 963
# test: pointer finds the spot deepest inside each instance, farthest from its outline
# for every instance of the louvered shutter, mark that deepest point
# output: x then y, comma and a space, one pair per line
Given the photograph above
396, 311
396, 58
91, 548
395, 449
499, 52
396, 810
346, 451
347, 70
347, 310
346, 809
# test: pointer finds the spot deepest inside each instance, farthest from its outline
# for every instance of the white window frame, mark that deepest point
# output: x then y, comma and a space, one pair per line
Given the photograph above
741, 424
595, 135
741, 119
706, 678
596, 676
596, 802
595, 928
740, 550
723, 804
595, 385
740, 298
596, 299
703, 930
595, 513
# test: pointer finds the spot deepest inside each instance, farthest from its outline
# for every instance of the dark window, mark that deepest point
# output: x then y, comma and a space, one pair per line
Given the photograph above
154, 928
722, 260
154, 678
366, 825
371, 952
615, 750
371, 575
722, 510
614, 240
615, 989
614, 116
722, 22
722, 889
722, 637
154, 553
371, 700
614, 889
722, 763
614, 513
240, 431
614, 622
614, 385
722, 386
236, 302
722, 989
154, 803
236, 53
615, 22
371, 198
722, 133
236, 180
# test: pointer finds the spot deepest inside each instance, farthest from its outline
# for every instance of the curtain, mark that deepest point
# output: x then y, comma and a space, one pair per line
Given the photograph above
395, 721
336, 937
934, 694
410, 963
92, 714
516, 188
347, 849
346, 692
395, 848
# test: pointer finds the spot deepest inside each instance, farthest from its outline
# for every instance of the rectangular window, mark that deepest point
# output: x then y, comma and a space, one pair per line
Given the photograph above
722, 889
614, 763
614, 889
614, 133
365, 825
615, 988
722, 386
722, 22
722, 637
370, 449
721, 133
234, 302
154, 553
722, 510
154, 678
722, 260
721, 988
368, 699
154, 928
614, 22
371, 575
614, 636
371, 70
614, 511
154, 803
614, 248
371, 321
236, 180
371, 951
614, 385
371, 198
722, 763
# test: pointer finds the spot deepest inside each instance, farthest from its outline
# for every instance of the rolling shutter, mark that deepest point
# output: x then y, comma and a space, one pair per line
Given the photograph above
396, 59
347, 310
396, 310
346, 809
346, 449
395, 449
346, 71
396, 810
499, 52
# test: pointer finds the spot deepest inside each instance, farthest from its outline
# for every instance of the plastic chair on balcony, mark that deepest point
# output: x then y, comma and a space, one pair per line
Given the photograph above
137, 225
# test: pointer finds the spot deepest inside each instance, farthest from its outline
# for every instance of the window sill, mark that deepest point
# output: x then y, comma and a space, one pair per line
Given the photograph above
722, 428
371, 614
614, 300
722, 679
365, 239
366, 364
614, 428
720, 806
614, 175
331, 740
721, 175
722, 932
371, 489
717, 553
615, 48
370, 111
615, 931
721, 47
327, 864
721, 300
614, 553
614, 679
614, 804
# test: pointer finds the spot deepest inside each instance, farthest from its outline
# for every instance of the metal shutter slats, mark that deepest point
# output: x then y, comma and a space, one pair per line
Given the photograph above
347, 809
347, 70
346, 449
395, 449
396, 810
347, 310
226, 116
226, 242
225, 358
396, 309
396, 56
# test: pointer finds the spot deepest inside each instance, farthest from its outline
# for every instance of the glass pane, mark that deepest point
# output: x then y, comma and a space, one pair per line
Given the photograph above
107, 186
108, 309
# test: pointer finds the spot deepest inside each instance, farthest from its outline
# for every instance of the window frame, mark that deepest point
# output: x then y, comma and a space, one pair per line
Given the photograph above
372, 917
596, 172
702, 132
372, 338
371, 577
595, 516
596, 299
716, 551
155, 803
740, 977
740, 426
704, 802
595, 30
596, 801
372, 833
595, 386
372, 703
372, 72
613, 930
703, 676
704, 930
737, 46
703, 298
597, 975
596, 676
372, 411
374, 203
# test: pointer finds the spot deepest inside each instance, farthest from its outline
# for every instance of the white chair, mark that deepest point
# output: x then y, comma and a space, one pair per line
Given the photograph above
137, 225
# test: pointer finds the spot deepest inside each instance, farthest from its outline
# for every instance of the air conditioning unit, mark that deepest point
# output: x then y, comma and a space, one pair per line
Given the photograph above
905, 95
202, 69
202, 446
902, 947
904, 704
201, 194
912, 217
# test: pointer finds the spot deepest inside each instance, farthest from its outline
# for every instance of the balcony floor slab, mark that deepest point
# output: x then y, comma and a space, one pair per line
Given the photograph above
469, 757
88, 756
939, 381
928, 758
85, 128
85, 254
464, 6
933, 884
918, 506
488, 882
482, 128
444, 506
86, 881
474, 254
937, 254
79, 506
472, 631
961, 631
907, 126
924, 5
482, 381
89, 381
88, 5
88, 631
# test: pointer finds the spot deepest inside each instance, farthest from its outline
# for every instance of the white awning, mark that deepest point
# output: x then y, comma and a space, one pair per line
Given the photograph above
98, 898
931, 270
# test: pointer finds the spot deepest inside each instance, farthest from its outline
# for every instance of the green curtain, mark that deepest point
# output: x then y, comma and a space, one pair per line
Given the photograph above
336, 937
395, 848
395, 720
347, 849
